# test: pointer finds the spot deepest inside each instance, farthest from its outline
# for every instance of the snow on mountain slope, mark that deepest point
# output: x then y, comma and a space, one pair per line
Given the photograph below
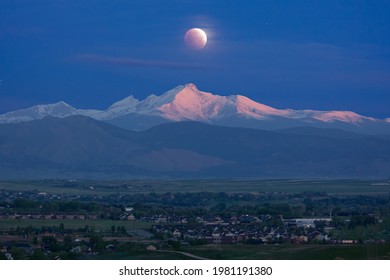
124, 106
186, 102
191, 104
343, 116
250, 108
119, 108
60, 109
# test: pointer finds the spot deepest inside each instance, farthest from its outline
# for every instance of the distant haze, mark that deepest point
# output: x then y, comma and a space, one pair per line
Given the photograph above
80, 147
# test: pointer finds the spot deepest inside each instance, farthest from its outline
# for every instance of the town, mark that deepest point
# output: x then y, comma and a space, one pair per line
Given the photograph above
147, 224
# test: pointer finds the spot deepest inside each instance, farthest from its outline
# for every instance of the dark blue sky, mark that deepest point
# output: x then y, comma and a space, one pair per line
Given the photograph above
287, 54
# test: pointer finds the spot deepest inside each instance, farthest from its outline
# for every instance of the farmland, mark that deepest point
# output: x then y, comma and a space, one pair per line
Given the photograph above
212, 219
340, 187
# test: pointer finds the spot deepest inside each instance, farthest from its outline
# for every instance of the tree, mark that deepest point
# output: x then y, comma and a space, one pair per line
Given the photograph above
68, 242
62, 228
220, 207
38, 255
52, 243
124, 230
97, 243
18, 253
176, 245
25, 204
320, 224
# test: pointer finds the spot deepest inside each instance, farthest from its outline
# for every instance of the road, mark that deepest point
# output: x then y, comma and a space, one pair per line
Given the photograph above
183, 253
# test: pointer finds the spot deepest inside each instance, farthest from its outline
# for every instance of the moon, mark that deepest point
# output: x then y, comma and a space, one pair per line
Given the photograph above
196, 38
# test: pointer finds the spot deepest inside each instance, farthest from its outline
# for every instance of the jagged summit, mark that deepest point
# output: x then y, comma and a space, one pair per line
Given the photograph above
127, 102
187, 102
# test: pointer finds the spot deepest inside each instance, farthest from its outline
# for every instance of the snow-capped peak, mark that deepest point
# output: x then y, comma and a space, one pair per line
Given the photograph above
189, 103
59, 108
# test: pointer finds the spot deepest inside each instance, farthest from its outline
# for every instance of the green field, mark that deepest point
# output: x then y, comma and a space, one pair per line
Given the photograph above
99, 225
293, 252
264, 252
146, 255
340, 187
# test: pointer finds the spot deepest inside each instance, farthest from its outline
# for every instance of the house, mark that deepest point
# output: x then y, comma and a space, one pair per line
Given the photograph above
348, 241
161, 220
229, 238
216, 236
151, 248
110, 248
305, 222
176, 234
321, 237
131, 217
76, 250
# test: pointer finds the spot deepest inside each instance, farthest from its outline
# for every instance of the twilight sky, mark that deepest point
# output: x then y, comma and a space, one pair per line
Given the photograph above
302, 54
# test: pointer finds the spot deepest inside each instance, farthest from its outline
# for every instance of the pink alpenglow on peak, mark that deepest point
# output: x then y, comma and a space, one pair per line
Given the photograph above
191, 104
188, 103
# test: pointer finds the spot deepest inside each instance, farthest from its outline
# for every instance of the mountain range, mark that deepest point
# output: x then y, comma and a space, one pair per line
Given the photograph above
187, 103
81, 147
187, 133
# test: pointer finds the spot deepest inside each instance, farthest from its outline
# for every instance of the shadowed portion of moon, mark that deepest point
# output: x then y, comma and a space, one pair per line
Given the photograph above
196, 38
